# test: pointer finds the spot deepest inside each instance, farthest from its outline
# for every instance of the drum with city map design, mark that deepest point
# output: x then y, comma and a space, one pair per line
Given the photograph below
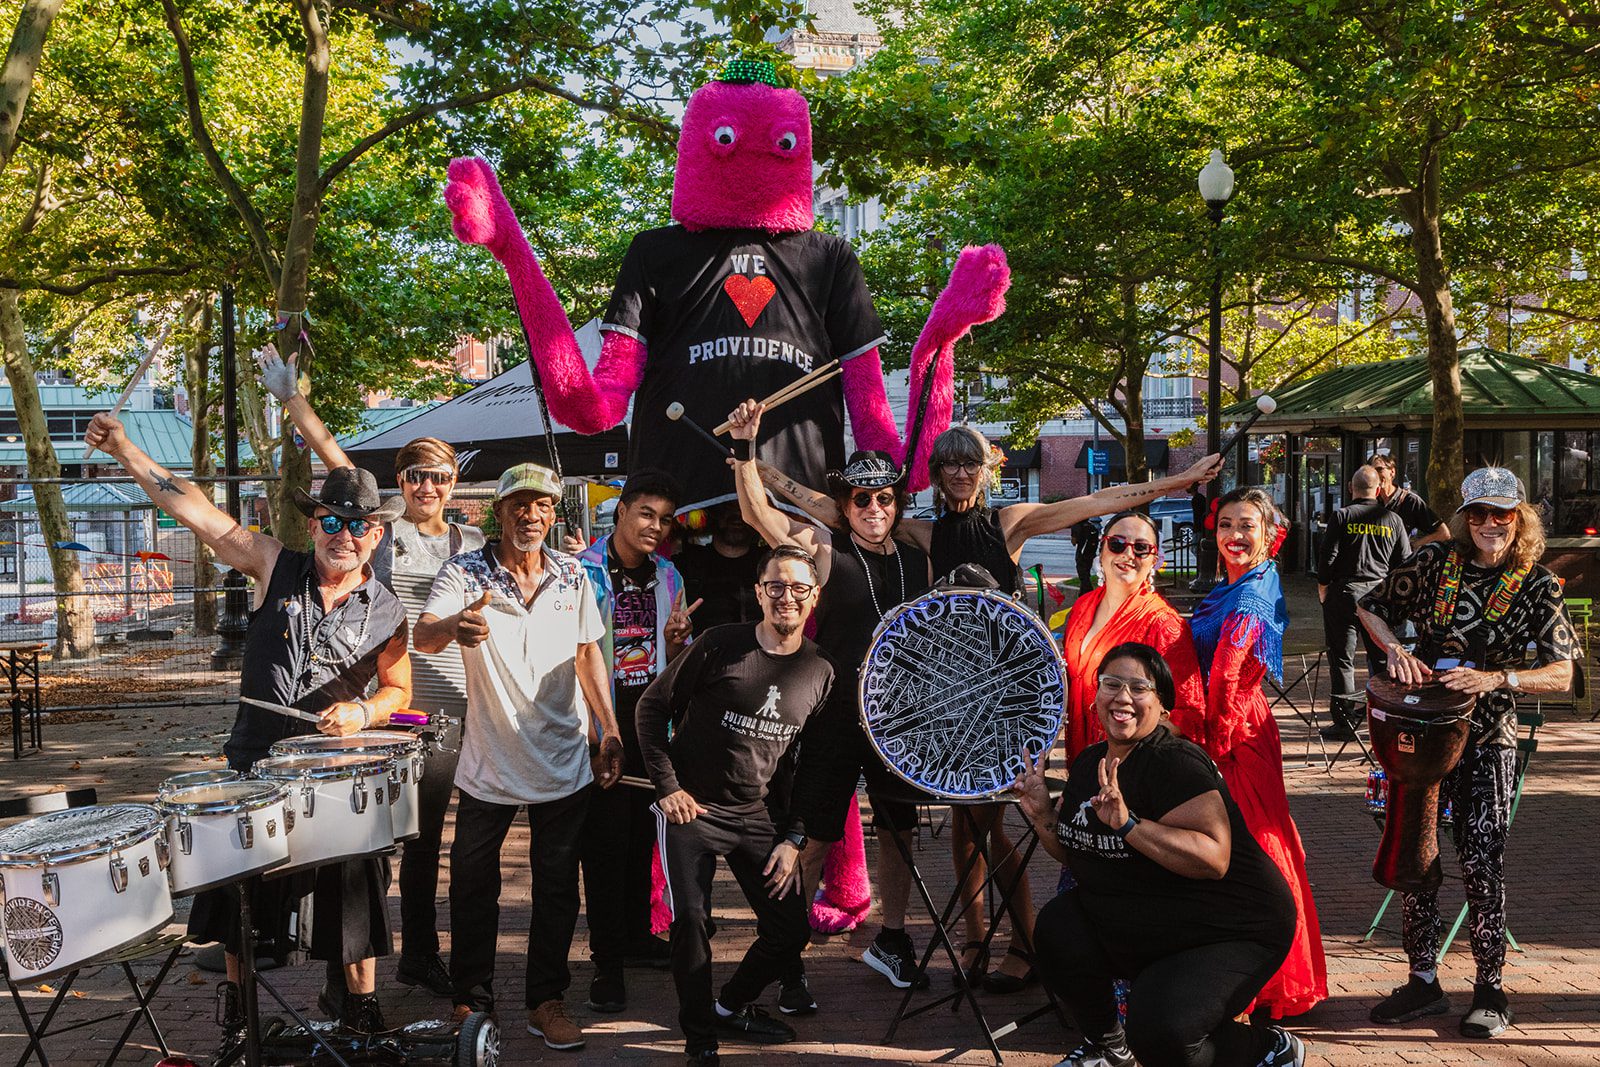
80, 883
956, 686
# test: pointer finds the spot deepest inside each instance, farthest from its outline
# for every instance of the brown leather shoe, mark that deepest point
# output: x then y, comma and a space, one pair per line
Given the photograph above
551, 1022
459, 1014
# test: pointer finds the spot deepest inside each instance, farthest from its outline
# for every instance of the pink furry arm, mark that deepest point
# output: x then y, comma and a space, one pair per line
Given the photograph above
481, 215
976, 294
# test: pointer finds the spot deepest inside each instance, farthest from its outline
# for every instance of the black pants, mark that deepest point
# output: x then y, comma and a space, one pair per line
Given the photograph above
689, 856
619, 840
481, 828
1480, 791
1341, 628
1181, 1006
419, 857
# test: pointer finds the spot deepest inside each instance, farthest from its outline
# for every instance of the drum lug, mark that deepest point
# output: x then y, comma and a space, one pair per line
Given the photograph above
394, 786
186, 837
163, 852
272, 828
119, 874
288, 818
52, 888
358, 796
2, 890
309, 796
247, 831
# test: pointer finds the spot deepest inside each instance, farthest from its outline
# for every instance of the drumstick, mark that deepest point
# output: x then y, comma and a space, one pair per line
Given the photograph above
1265, 405
792, 390
675, 413
144, 365
636, 782
281, 709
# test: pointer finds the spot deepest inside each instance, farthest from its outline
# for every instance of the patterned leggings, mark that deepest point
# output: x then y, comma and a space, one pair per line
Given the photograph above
1480, 789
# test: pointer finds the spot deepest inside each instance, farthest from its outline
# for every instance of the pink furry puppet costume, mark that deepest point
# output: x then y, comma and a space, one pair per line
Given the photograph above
845, 895
737, 300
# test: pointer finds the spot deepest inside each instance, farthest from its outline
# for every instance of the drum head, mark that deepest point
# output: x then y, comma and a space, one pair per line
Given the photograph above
78, 830
379, 742
1426, 702
223, 796
192, 778
956, 685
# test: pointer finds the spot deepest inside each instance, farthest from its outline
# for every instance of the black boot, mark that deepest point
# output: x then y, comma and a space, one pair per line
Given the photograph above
230, 1017
362, 1013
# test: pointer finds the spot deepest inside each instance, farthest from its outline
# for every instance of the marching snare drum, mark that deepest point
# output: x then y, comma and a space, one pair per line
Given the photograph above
407, 751
191, 778
1418, 735
223, 831
79, 883
339, 800
956, 685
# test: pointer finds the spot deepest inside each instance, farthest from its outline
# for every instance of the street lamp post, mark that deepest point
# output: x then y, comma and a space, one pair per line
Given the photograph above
1216, 189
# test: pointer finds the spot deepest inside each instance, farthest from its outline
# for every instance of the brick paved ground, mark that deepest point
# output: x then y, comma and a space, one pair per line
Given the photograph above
1554, 983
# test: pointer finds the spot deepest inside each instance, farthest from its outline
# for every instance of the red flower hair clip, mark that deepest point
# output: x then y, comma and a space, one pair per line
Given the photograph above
1211, 515
1278, 537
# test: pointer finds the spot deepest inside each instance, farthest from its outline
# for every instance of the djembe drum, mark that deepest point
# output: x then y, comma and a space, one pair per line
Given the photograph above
1418, 734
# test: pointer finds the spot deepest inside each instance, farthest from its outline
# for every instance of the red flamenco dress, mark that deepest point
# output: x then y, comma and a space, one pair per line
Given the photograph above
1145, 617
1238, 633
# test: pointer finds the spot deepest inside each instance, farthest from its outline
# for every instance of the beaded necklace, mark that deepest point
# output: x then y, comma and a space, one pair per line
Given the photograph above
866, 569
1505, 590
315, 654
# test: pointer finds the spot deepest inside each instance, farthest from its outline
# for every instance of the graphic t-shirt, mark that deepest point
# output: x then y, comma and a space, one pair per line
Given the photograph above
1364, 542
633, 629
726, 315
1146, 910
735, 709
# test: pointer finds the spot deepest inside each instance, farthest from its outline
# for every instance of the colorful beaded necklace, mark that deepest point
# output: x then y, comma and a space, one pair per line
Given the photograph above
1505, 590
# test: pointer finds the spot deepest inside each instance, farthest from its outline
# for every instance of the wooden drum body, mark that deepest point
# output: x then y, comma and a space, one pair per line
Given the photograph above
1419, 734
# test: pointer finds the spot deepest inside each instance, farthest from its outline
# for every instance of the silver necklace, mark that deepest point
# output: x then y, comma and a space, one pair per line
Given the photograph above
312, 652
866, 569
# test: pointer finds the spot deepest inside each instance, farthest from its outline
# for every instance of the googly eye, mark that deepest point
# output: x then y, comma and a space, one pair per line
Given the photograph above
725, 135
787, 141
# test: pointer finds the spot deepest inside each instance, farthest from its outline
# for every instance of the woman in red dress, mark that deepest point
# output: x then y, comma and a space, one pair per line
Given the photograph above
1238, 633
1124, 608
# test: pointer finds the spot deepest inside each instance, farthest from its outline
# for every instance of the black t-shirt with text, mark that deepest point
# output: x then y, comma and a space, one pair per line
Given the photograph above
1144, 910
1364, 542
726, 315
734, 709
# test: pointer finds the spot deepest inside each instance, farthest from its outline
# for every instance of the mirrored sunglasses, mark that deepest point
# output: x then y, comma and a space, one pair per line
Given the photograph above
419, 475
332, 524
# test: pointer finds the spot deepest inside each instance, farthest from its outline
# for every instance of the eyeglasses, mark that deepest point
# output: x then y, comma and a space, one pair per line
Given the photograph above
1477, 515
800, 590
332, 524
964, 466
863, 498
419, 475
1117, 545
1115, 686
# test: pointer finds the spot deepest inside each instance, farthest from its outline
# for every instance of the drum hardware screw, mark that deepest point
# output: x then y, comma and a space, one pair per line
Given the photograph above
144, 866
163, 852
119, 874
288, 819
358, 797
247, 832
51, 883
272, 828
186, 838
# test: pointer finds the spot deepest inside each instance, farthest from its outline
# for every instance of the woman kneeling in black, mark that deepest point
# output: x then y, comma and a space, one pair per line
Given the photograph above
1173, 893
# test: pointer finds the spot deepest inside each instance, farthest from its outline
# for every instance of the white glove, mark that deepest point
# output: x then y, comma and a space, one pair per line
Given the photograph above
282, 378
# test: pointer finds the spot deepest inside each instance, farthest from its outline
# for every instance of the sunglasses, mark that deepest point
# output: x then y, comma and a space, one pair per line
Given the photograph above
419, 475
332, 524
1115, 686
863, 498
1477, 515
800, 590
1117, 545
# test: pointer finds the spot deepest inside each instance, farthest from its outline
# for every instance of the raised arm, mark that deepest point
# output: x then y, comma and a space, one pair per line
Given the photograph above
282, 379
775, 527
1022, 521
244, 550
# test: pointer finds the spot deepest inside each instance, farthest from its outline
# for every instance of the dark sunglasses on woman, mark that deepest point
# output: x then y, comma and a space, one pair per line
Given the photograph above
1478, 514
1117, 544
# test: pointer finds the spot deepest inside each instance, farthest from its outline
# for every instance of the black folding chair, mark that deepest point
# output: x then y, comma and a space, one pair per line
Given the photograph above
1309, 669
164, 946
1352, 710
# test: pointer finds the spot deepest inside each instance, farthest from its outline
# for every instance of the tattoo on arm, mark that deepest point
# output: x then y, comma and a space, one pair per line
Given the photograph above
166, 482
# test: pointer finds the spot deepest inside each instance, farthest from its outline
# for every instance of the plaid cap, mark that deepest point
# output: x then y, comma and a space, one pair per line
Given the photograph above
1495, 487
528, 476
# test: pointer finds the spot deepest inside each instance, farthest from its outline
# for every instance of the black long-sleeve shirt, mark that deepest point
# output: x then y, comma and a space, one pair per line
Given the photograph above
734, 709
1363, 543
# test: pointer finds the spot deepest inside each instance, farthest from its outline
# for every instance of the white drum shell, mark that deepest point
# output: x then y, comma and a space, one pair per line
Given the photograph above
331, 821
90, 915
409, 753
217, 847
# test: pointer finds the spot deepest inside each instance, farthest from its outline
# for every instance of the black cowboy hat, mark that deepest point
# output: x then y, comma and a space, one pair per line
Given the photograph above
351, 493
866, 470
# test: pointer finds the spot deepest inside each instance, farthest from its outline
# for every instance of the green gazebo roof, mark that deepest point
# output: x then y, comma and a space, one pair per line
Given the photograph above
1498, 390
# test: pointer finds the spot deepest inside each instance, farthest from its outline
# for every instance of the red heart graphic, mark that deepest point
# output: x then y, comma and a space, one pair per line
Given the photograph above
749, 295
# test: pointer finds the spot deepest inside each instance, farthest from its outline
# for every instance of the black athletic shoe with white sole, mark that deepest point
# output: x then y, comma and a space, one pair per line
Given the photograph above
1411, 1001
1113, 1053
896, 959
1288, 1051
794, 998
751, 1023
1489, 1015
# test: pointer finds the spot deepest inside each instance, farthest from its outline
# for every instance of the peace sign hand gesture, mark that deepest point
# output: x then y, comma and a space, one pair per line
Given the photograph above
1109, 807
1033, 796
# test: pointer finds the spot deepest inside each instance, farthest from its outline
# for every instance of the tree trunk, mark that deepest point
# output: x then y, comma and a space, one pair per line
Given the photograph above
197, 379
74, 615
22, 60
1446, 458
1134, 362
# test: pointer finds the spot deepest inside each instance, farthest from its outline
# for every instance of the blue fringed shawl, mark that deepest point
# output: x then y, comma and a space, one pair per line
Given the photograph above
1257, 595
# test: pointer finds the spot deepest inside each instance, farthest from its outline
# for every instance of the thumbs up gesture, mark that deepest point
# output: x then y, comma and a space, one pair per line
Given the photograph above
472, 629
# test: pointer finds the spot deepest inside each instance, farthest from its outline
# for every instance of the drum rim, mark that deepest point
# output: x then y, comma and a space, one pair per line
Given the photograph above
900, 609
396, 742
99, 847
228, 773
364, 769
279, 791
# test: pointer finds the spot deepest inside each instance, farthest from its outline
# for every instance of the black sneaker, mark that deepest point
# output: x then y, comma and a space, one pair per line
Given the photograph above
607, 992
794, 997
896, 959
363, 1014
427, 971
1113, 1053
653, 952
753, 1024
704, 1058
1287, 1051
331, 1001
1490, 1014
1411, 1001
230, 1017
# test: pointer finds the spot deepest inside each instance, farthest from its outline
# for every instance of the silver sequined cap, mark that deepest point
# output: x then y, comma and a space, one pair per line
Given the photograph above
1493, 486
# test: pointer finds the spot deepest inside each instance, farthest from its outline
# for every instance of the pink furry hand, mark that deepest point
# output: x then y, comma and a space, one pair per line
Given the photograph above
480, 213
977, 290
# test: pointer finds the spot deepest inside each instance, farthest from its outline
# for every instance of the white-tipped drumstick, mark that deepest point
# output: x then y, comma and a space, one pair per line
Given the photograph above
144, 365
1265, 405
676, 414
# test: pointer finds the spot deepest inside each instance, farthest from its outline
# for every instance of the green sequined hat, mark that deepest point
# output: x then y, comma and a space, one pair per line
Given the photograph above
748, 71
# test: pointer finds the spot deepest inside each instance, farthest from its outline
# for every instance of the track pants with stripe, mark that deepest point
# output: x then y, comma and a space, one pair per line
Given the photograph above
743, 836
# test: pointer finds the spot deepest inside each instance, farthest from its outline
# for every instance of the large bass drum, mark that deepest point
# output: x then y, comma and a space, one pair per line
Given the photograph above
957, 684
1418, 734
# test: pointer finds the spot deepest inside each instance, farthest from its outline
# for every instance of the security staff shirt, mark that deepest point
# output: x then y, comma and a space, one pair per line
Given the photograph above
1363, 543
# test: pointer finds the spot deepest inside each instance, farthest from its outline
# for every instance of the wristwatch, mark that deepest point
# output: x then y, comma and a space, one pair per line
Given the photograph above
797, 839
1126, 828
1513, 683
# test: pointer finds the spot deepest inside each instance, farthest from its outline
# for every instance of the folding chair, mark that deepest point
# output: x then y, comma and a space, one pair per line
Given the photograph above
1312, 670
158, 945
1353, 709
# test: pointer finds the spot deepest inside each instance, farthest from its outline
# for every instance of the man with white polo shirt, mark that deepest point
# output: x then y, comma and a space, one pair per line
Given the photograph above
529, 629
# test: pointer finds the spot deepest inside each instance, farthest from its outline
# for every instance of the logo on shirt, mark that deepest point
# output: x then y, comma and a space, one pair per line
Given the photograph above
769, 710
749, 294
